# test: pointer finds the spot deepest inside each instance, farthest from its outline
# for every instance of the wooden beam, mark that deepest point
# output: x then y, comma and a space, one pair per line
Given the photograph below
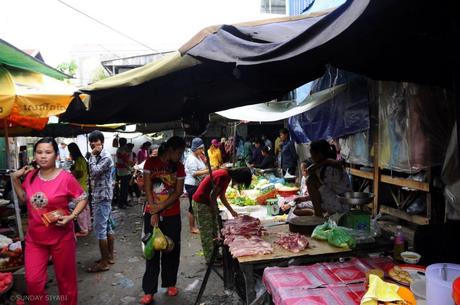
360, 173
420, 220
421, 186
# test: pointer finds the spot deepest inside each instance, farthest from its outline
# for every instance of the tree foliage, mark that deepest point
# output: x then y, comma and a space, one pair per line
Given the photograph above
69, 68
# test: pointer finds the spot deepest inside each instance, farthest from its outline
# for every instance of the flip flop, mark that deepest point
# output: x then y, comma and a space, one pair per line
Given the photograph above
110, 261
97, 268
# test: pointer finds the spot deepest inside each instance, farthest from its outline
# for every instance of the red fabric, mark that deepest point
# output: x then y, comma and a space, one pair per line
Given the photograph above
142, 155
221, 180
46, 196
36, 269
164, 177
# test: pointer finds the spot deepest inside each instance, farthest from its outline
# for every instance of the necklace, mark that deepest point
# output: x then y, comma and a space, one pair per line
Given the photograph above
48, 179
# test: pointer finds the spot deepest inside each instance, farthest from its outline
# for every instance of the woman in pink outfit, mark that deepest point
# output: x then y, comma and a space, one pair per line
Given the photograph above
48, 189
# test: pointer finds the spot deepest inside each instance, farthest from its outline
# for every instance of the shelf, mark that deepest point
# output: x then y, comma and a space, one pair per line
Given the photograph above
421, 186
360, 173
420, 220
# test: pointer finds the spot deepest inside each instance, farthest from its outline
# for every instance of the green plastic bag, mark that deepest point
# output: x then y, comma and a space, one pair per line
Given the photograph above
148, 249
340, 238
322, 231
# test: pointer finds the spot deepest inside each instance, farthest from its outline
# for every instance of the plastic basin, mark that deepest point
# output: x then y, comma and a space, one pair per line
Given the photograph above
439, 281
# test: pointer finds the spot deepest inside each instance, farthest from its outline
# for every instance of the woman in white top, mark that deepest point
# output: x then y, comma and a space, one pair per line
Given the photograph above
195, 171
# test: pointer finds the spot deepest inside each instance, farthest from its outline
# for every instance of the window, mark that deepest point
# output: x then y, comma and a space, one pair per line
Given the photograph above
273, 6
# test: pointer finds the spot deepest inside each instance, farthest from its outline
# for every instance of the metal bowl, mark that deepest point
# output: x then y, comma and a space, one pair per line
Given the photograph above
355, 198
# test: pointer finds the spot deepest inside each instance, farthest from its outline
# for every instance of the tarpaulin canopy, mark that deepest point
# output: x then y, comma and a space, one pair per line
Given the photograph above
275, 111
13, 57
229, 66
61, 130
29, 98
386, 40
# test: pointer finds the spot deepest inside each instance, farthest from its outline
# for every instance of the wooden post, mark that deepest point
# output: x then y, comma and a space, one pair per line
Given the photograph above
7, 142
15, 197
374, 110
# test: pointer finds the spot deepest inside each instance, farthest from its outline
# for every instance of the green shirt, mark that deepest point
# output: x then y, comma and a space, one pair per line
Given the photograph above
80, 171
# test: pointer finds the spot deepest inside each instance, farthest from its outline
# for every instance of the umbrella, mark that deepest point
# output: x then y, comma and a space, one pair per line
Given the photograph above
29, 94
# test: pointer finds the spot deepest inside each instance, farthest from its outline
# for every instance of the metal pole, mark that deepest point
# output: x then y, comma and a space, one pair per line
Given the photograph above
15, 197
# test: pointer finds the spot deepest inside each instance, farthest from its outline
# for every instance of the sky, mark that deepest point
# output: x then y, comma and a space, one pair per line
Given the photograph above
59, 32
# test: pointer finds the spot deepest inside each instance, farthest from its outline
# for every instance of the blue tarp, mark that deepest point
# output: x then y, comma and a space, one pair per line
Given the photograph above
347, 113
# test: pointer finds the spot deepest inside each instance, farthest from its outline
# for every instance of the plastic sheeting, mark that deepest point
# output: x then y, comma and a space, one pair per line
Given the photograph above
415, 123
346, 113
356, 148
451, 178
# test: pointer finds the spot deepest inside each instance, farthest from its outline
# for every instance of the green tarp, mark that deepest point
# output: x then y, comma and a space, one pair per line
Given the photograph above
12, 56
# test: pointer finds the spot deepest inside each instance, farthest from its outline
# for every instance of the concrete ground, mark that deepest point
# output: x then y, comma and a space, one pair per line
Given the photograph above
122, 283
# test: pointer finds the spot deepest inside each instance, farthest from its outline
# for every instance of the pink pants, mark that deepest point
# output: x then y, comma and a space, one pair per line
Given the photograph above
36, 265
84, 219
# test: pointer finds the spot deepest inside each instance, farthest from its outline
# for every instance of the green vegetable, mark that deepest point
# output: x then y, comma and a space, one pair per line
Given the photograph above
243, 201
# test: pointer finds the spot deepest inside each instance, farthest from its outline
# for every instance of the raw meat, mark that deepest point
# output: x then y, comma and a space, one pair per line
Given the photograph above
242, 246
243, 237
293, 242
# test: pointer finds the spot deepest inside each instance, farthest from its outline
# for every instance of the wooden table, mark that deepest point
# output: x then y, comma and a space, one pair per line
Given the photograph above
316, 251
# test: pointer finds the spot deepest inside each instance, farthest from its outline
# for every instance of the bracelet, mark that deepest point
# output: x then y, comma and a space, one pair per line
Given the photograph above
74, 216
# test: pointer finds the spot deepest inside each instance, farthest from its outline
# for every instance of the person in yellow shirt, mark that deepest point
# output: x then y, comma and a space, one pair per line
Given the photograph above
214, 154
277, 146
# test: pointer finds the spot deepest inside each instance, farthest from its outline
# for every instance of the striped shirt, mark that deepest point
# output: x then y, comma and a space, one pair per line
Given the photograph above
100, 168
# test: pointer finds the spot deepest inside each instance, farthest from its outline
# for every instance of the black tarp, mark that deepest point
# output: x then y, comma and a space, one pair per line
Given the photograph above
256, 62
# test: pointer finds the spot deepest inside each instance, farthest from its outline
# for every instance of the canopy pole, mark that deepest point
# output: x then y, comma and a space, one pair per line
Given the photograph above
234, 144
15, 197
7, 141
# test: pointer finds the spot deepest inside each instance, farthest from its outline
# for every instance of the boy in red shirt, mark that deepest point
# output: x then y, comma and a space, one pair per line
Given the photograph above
164, 183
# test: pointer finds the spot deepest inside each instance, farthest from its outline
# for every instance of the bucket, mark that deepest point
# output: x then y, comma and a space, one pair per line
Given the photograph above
439, 279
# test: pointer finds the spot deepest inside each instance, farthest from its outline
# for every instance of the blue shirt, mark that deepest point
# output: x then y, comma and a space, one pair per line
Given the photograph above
288, 155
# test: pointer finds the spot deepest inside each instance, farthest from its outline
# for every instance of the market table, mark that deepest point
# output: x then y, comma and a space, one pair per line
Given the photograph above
317, 251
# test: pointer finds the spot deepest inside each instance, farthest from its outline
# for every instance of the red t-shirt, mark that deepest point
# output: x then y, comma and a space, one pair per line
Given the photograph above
44, 196
164, 177
221, 179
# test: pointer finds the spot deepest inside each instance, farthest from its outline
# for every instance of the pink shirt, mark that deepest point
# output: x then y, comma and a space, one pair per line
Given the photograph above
44, 196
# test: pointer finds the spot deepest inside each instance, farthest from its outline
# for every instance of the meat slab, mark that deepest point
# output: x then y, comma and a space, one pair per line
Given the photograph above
293, 242
243, 236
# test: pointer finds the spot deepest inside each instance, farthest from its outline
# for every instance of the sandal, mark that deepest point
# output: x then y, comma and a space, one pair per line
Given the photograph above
172, 291
146, 299
97, 268
110, 261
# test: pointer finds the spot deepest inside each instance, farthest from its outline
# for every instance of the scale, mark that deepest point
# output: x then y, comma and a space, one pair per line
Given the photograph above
357, 218
273, 208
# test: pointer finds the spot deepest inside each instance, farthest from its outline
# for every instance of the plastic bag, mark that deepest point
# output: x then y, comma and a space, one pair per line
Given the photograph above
321, 232
159, 241
156, 242
113, 222
148, 249
340, 238
335, 235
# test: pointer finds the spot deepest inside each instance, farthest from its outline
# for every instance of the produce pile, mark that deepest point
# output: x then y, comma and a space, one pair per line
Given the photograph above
10, 253
263, 189
5, 281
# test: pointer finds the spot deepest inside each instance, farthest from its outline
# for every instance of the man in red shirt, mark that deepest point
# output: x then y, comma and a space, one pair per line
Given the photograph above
164, 183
